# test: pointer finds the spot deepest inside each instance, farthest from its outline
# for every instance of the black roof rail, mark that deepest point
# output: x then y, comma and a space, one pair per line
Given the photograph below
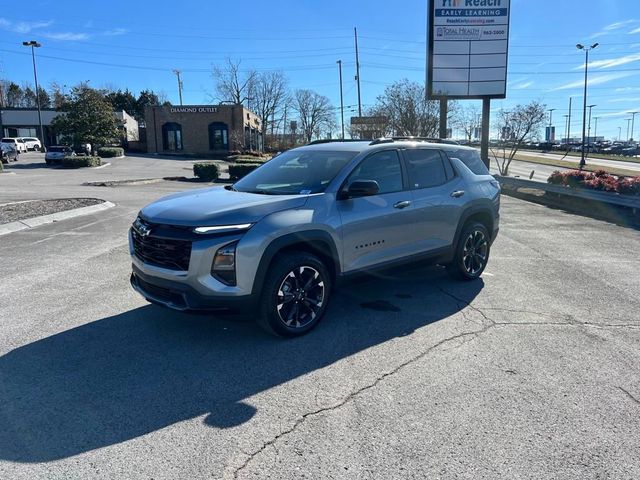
413, 139
334, 140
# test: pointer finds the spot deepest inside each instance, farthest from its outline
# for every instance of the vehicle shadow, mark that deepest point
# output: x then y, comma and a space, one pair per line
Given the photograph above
123, 376
30, 166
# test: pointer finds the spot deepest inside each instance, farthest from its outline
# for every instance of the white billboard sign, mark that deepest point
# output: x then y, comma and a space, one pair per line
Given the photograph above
468, 48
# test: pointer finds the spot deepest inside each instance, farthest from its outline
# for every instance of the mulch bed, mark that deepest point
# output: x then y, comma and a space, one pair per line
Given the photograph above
12, 212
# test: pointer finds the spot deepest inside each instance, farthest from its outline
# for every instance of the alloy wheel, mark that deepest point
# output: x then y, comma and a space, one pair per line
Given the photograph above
474, 253
300, 296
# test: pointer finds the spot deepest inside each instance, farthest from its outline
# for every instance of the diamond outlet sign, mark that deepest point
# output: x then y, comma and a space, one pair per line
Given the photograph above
468, 48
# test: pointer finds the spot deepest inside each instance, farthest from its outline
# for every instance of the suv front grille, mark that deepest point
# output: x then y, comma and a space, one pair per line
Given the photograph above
162, 252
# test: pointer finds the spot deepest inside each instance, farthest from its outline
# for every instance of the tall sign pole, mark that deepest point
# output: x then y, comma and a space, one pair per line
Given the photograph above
467, 60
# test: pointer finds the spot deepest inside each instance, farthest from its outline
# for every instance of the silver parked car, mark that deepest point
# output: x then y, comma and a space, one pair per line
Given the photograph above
56, 153
279, 239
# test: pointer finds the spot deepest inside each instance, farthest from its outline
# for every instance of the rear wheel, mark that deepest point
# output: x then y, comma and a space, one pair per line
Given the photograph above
295, 295
472, 253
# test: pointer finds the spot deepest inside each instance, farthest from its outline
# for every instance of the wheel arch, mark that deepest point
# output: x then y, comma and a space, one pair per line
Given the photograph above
315, 242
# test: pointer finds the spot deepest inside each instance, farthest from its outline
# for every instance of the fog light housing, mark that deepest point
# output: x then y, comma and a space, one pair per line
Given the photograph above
223, 266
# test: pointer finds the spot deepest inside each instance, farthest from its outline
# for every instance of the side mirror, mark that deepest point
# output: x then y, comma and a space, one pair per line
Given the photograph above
363, 188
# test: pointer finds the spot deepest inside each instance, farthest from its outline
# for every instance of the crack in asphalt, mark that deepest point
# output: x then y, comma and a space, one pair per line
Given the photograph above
467, 337
630, 396
354, 394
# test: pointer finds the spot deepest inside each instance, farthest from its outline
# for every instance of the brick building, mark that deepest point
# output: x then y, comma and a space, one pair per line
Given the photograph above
202, 129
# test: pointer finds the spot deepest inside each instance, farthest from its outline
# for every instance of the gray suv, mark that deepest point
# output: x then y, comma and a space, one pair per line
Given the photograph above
277, 241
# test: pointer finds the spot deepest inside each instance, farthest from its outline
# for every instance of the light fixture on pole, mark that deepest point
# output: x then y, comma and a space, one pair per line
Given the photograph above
33, 44
584, 105
633, 121
339, 62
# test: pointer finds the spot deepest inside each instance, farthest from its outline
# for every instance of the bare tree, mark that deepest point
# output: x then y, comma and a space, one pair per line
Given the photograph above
516, 126
467, 119
269, 98
409, 112
314, 111
232, 84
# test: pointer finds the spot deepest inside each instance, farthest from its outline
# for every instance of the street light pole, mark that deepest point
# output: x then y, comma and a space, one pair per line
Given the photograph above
633, 121
33, 44
341, 98
595, 131
566, 128
584, 105
549, 139
628, 125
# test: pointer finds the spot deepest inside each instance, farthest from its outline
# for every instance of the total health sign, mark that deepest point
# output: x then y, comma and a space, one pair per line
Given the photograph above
468, 48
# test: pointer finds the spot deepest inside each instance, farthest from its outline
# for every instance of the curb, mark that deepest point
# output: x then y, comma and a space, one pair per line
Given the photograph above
54, 217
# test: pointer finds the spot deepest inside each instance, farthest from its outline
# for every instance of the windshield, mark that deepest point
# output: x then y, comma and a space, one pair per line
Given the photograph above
295, 172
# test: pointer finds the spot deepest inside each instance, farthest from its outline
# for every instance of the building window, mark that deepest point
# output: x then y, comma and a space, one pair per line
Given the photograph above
218, 136
172, 136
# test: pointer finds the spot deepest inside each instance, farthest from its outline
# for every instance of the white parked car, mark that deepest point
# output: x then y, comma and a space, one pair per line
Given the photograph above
56, 153
32, 143
17, 143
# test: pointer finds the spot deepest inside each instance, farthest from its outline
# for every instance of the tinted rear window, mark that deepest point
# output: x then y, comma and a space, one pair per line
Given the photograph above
471, 158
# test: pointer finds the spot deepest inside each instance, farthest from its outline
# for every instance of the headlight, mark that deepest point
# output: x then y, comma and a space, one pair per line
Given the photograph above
223, 228
223, 266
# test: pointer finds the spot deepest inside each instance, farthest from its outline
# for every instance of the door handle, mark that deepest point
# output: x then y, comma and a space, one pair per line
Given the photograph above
457, 193
403, 204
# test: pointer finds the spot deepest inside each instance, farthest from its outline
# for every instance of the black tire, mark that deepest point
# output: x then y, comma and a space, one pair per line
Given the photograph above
472, 252
295, 295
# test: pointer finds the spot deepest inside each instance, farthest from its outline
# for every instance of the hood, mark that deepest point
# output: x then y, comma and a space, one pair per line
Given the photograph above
217, 206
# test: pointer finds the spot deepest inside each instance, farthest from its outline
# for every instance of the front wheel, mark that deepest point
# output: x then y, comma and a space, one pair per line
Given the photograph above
471, 254
295, 295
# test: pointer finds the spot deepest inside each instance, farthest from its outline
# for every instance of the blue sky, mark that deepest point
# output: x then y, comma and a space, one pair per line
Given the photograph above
136, 45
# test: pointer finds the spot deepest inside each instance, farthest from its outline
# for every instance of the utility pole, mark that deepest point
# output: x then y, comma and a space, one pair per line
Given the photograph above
177, 72
633, 121
341, 98
569, 125
589, 127
628, 125
566, 129
355, 31
619, 133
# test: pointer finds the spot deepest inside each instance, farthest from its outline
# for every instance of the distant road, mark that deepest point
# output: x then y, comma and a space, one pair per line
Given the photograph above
635, 166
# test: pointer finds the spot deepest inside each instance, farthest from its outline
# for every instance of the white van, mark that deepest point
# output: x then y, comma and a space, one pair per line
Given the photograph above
16, 142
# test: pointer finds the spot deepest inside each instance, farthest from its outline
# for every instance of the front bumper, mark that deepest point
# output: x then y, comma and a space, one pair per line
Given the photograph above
182, 297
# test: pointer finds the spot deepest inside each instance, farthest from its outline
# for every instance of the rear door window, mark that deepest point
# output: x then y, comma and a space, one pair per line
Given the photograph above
425, 168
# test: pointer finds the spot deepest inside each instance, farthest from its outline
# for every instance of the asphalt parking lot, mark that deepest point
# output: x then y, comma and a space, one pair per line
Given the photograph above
530, 372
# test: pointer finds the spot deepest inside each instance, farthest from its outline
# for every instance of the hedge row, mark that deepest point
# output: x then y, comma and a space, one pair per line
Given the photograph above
238, 171
206, 171
110, 152
598, 180
81, 161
